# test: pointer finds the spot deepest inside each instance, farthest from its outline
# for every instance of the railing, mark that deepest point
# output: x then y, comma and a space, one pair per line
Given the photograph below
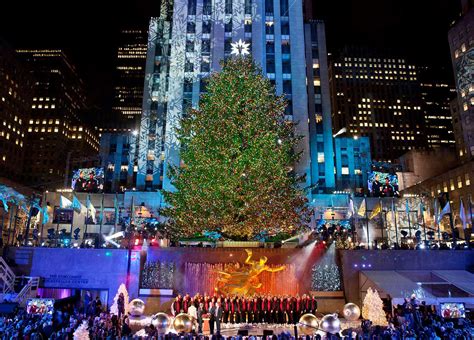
7, 277
31, 285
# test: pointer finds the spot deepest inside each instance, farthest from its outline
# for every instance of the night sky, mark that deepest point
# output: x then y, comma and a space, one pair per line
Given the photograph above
89, 30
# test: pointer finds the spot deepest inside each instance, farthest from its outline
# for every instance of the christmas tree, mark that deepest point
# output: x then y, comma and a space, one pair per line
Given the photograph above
372, 308
114, 307
237, 156
81, 333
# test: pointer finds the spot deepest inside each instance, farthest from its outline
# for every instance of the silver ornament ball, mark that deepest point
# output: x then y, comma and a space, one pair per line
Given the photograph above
330, 323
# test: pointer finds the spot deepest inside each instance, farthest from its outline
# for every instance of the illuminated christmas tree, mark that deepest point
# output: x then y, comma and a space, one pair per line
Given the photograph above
114, 307
372, 308
237, 153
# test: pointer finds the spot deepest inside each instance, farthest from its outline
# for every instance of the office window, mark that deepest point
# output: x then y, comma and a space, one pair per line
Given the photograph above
206, 46
189, 46
269, 7
286, 66
192, 7
285, 47
205, 65
228, 26
284, 8
270, 47
269, 28
270, 65
285, 28
320, 157
287, 87
459, 182
228, 6
207, 7
191, 27
345, 170
188, 66
451, 184
188, 85
206, 27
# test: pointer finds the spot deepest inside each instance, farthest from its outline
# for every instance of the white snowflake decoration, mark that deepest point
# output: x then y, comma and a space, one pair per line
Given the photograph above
240, 48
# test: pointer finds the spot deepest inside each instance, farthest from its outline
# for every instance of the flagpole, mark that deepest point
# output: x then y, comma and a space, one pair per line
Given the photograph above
57, 227
101, 218
470, 215
115, 212
394, 211
42, 217
423, 218
451, 222
367, 219
408, 216
72, 219
383, 220
87, 217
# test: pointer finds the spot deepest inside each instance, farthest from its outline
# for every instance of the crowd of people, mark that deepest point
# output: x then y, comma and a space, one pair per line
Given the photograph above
281, 309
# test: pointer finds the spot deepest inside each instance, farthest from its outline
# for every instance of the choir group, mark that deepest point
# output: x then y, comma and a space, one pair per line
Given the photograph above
253, 309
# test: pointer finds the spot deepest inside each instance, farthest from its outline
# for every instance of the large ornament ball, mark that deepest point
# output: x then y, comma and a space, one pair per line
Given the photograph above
183, 323
136, 307
308, 324
161, 321
351, 311
330, 323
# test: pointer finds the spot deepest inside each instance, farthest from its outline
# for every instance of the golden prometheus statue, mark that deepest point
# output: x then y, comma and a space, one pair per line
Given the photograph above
244, 280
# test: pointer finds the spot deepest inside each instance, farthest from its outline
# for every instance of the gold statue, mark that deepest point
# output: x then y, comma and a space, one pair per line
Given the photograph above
244, 280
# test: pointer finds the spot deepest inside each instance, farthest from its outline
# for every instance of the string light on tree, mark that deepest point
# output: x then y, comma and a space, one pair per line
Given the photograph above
237, 149
240, 48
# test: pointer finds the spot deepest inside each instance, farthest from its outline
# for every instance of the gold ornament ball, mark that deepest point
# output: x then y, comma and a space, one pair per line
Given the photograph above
330, 323
183, 323
136, 307
161, 321
351, 311
308, 324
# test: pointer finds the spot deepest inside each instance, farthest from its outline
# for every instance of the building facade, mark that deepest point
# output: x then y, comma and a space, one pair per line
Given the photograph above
58, 140
117, 152
15, 107
352, 163
129, 78
187, 42
437, 94
461, 43
319, 109
378, 96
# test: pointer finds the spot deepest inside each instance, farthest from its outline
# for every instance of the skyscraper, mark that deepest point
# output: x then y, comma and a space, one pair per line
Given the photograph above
319, 108
378, 96
58, 141
15, 106
461, 43
129, 78
187, 42
436, 94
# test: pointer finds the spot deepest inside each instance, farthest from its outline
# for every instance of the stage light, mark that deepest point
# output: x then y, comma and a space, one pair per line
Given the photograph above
116, 235
136, 241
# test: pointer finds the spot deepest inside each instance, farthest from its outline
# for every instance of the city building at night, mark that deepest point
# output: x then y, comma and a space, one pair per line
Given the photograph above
187, 42
15, 107
58, 140
129, 79
461, 43
117, 152
377, 96
437, 94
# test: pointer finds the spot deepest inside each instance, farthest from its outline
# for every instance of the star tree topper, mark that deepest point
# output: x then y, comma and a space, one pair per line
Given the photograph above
240, 48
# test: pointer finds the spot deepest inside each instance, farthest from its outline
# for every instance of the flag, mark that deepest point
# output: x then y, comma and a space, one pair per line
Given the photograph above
462, 215
446, 210
45, 214
350, 211
362, 209
4, 202
377, 210
76, 204
91, 208
64, 202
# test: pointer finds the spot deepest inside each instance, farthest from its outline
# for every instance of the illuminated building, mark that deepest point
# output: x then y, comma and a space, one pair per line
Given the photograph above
461, 43
436, 94
58, 140
187, 42
117, 152
379, 97
129, 78
15, 106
